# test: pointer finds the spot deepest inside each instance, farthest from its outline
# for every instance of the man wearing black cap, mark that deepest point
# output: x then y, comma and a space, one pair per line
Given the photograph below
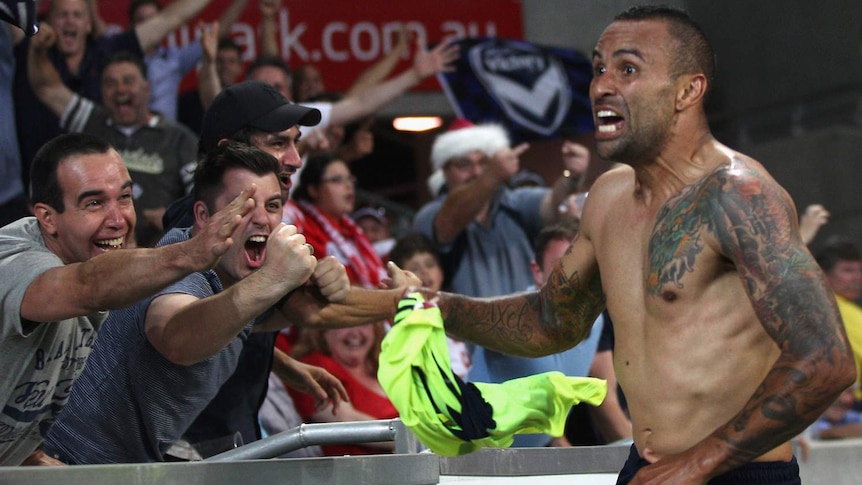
254, 113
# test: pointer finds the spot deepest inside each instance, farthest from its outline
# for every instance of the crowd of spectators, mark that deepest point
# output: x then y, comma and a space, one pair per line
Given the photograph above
150, 167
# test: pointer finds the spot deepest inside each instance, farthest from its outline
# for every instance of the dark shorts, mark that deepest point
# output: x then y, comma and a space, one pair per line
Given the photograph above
762, 473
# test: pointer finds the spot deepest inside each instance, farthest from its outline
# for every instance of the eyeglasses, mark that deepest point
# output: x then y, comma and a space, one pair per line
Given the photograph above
467, 163
339, 179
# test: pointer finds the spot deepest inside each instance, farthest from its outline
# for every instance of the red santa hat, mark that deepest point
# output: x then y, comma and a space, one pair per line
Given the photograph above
462, 138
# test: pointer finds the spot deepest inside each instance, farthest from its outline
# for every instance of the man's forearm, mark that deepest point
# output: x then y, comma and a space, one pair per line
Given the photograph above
110, 281
229, 17
306, 307
209, 85
373, 98
793, 395
206, 326
520, 324
462, 206
153, 31
268, 36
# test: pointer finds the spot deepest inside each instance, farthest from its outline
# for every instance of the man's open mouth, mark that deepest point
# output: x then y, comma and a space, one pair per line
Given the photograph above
109, 244
255, 250
608, 121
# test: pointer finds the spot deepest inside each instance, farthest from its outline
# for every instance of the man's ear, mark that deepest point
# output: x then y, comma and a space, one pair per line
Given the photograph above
202, 214
47, 217
313, 192
691, 88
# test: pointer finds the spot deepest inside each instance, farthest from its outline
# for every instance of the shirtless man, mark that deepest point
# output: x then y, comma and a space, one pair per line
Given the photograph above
728, 340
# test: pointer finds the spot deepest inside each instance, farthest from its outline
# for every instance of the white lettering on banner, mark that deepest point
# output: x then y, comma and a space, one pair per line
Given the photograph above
504, 61
290, 41
363, 41
245, 41
328, 48
356, 34
459, 30
241, 33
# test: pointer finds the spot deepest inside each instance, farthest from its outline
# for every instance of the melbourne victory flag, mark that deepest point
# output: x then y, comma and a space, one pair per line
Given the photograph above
536, 92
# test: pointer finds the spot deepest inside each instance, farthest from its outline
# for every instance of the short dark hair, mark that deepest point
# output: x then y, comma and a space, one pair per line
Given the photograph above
564, 230
312, 173
268, 61
227, 44
694, 51
246, 133
835, 250
134, 5
410, 245
44, 185
125, 56
209, 174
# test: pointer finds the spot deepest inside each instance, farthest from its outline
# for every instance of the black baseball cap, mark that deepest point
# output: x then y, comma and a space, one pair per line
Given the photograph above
254, 104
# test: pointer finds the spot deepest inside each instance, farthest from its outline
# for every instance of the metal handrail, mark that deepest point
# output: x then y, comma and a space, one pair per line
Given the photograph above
354, 432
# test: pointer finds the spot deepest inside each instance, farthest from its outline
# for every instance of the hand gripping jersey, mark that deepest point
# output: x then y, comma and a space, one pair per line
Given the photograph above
452, 417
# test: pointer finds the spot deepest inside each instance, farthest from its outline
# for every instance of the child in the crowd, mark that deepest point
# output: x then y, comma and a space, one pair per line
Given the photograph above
415, 253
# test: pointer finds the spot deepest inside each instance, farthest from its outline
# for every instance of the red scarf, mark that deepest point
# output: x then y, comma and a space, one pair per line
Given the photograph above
343, 239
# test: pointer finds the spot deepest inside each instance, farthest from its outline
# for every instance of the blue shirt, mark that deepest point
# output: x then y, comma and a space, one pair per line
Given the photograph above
165, 70
493, 259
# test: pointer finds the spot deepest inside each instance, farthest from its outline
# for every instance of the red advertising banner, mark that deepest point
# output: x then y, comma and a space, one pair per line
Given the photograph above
342, 38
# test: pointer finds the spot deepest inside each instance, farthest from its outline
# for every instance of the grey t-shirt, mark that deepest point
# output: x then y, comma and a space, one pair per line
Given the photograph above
39, 361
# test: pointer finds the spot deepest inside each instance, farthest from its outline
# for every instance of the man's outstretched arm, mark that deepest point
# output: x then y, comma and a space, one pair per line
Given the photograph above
425, 64
533, 324
117, 279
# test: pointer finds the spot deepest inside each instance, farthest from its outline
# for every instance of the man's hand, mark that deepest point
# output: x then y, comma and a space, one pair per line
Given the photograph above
438, 59
269, 8
670, 470
38, 457
814, 217
398, 278
576, 158
505, 163
46, 38
331, 279
209, 40
289, 261
315, 381
212, 240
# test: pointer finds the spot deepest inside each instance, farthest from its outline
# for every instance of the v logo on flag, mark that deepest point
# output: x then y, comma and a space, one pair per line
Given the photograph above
529, 85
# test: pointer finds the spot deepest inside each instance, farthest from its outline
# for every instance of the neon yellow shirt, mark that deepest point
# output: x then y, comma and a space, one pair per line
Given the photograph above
454, 418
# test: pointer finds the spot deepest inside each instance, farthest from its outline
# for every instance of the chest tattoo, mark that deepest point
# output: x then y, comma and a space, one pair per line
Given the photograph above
676, 239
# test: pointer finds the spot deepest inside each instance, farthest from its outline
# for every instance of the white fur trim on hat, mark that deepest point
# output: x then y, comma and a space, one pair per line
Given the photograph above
457, 143
435, 183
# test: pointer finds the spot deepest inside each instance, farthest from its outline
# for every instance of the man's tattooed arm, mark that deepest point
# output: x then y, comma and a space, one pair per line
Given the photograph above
754, 224
530, 324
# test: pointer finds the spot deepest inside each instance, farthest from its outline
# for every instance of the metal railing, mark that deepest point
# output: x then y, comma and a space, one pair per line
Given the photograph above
304, 435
